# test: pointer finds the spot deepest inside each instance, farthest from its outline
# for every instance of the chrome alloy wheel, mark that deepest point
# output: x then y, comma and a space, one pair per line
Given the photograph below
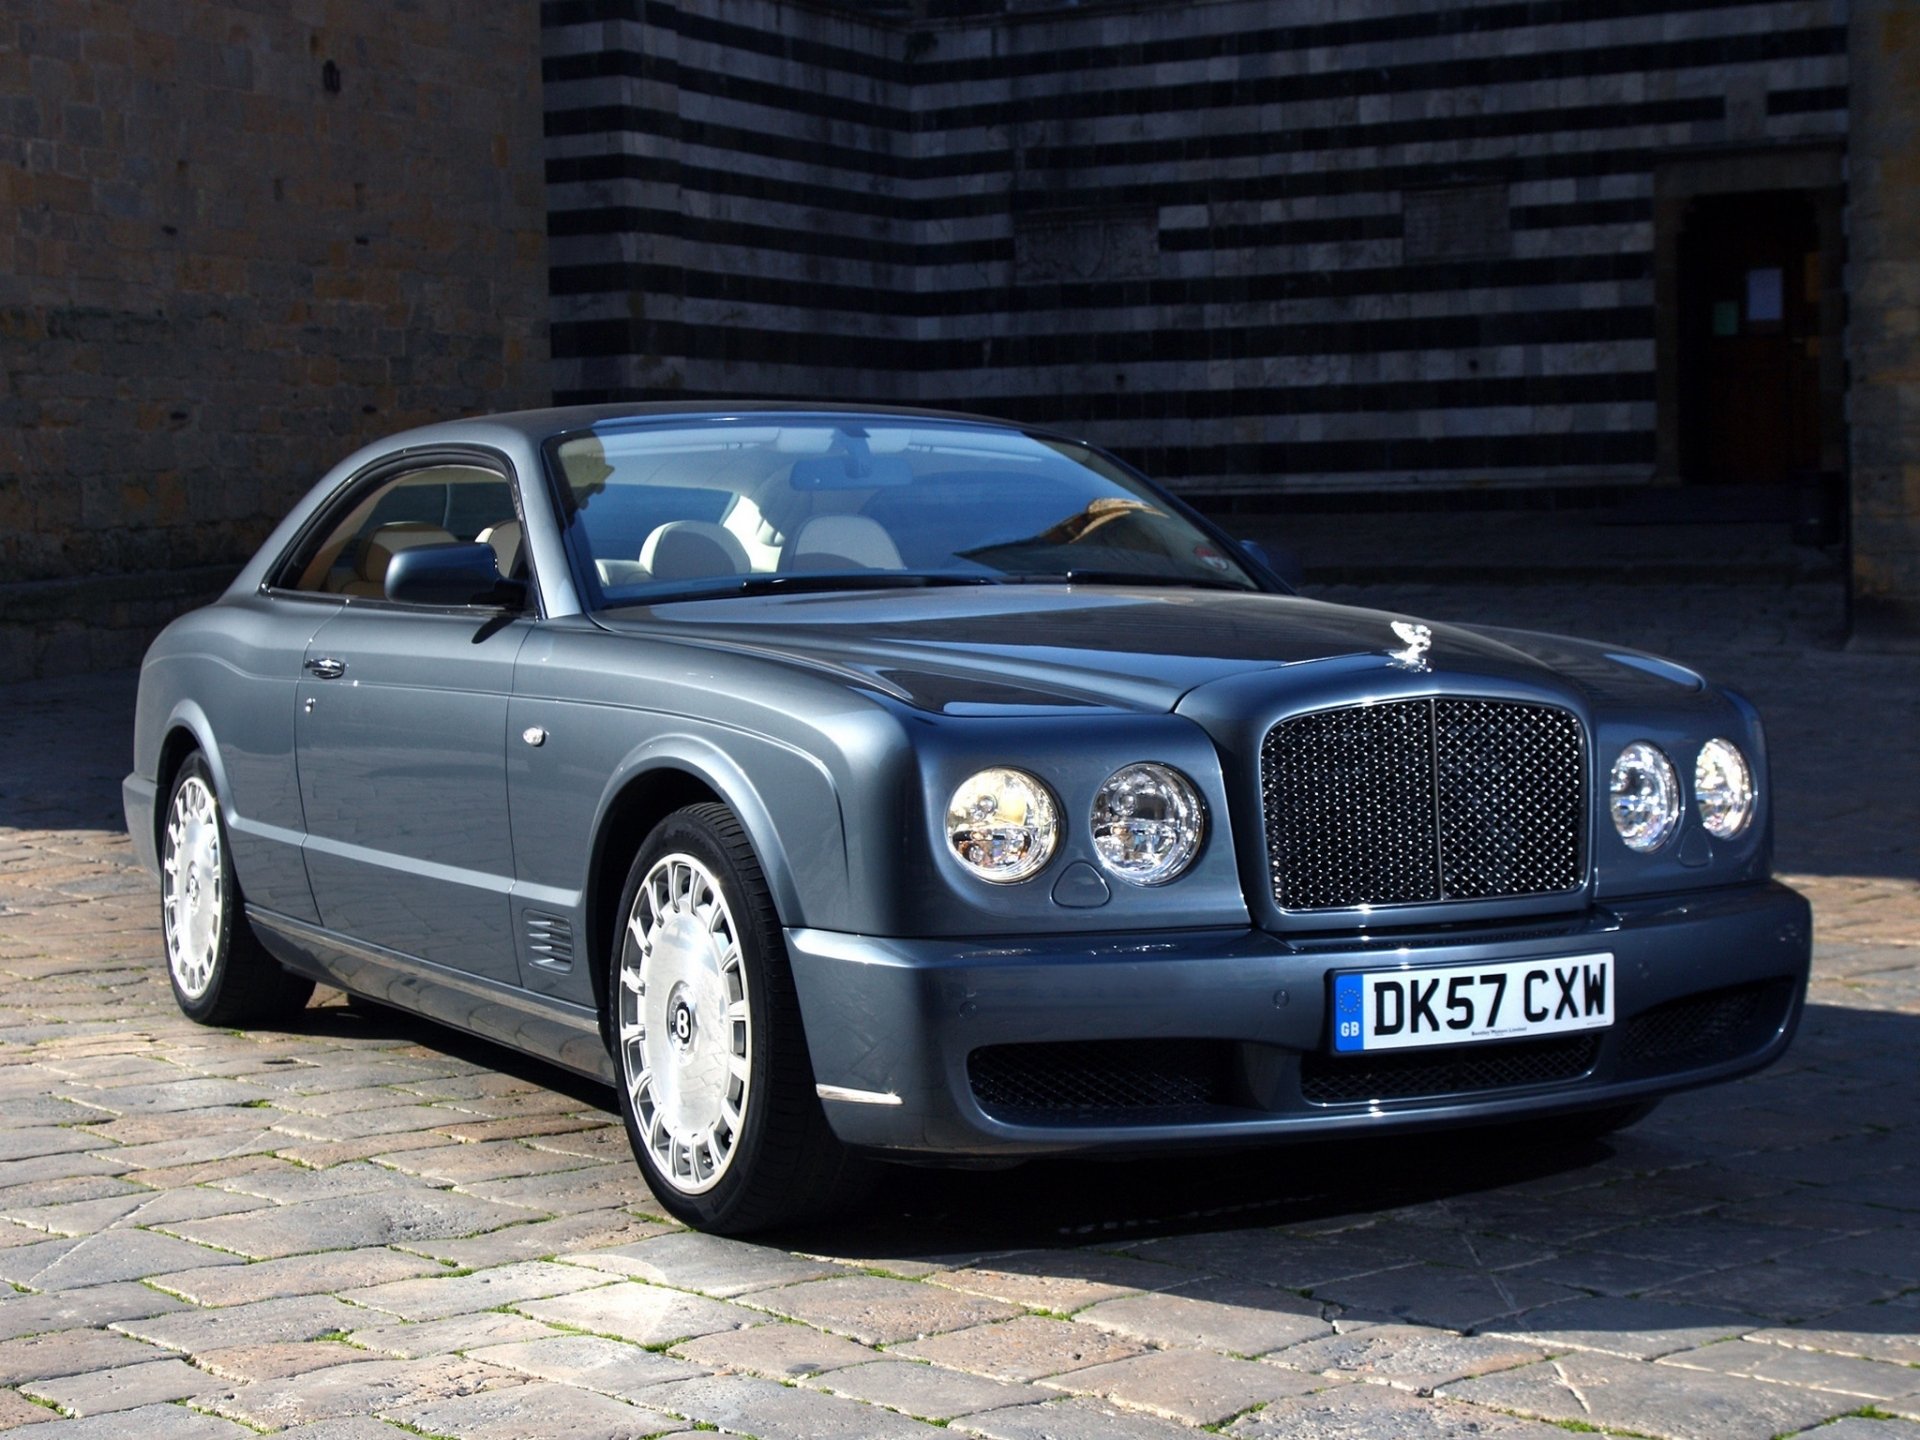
192, 896
686, 1023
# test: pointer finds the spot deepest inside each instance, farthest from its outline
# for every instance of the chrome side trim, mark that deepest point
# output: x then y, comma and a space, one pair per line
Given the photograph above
563, 1034
857, 1097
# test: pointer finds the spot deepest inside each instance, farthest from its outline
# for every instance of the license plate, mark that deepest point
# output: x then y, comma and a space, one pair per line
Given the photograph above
1456, 1004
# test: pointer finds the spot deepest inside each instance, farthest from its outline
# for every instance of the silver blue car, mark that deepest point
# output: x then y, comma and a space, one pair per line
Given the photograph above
850, 784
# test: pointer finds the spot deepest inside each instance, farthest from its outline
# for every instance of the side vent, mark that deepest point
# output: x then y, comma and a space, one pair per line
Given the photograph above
549, 940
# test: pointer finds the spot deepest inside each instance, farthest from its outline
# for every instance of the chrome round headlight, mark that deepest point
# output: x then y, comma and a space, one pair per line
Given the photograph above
1003, 825
1148, 821
1644, 795
1723, 789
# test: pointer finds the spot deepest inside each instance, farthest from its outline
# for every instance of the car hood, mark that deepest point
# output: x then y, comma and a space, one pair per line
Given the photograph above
1043, 648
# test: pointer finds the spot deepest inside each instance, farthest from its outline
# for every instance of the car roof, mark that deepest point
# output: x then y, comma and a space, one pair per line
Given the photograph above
540, 424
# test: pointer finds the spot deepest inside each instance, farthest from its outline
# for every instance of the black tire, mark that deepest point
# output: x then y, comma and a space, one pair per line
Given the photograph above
220, 973
710, 1057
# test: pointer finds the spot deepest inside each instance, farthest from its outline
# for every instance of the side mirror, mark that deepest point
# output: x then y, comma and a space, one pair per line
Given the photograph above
452, 575
1277, 561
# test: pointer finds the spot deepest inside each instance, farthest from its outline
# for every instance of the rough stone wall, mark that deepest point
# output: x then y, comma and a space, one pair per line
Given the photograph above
1327, 244
219, 273
1883, 335
729, 197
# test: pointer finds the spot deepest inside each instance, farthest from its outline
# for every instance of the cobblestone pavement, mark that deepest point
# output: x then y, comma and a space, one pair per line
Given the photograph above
368, 1226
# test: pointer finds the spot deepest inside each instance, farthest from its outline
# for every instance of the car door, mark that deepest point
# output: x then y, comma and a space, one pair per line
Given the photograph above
400, 730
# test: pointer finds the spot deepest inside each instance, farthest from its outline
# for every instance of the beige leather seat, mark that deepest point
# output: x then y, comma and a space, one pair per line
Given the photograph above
841, 542
693, 550
506, 539
370, 573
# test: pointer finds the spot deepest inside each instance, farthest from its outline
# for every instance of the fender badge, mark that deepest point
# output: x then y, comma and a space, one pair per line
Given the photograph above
1418, 638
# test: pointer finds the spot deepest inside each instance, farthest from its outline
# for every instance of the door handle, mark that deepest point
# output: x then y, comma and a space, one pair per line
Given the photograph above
326, 668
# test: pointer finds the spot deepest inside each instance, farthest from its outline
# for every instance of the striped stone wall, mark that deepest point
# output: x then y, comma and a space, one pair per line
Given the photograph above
1347, 244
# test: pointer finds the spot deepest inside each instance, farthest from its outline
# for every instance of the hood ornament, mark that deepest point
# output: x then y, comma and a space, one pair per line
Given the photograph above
1418, 640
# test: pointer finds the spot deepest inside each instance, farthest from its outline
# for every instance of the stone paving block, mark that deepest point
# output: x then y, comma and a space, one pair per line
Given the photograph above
1025, 1348
150, 1422
122, 1388
1872, 1332
543, 1239
441, 1337
526, 1127
929, 1392
77, 1309
776, 1351
878, 1311
324, 1154
436, 1297
70, 1189
1638, 1329
360, 1124
710, 1264
343, 1390
264, 1322
1292, 1262
1375, 1412
70, 1352
1408, 1357
781, 1412
1062, 1280
1616, 1394
644, 1314
1236, 1319
34, 1141
1783, 1290
285, 1184
297, 1275
142, 1207
1453, 1299
384, 1217
537, 1411
1607, 1273
16, 1410
592, 1362
570, 1191
1841, 1374
346, 1427
279, 1360
1707, 1240
42, 1170
464, 1165
104, 1259
1194, 1387
1856, 1427
1075, 1419
174, 1094
1892, 1252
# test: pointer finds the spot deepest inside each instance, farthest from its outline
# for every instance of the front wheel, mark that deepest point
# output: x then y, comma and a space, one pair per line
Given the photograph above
221, 974
710, 1056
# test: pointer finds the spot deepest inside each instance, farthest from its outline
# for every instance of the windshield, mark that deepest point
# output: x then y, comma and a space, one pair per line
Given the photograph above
689, 509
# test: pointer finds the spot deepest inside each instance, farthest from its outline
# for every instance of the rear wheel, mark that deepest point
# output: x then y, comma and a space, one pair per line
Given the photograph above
714, 1080
221, 975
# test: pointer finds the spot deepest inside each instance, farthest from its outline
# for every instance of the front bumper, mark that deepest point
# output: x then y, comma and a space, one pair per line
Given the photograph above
1708, 986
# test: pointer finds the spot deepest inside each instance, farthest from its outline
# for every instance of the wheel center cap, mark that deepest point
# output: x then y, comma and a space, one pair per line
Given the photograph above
680, 1023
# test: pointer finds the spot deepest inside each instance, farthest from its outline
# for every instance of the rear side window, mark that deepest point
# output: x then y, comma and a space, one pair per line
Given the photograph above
347, 551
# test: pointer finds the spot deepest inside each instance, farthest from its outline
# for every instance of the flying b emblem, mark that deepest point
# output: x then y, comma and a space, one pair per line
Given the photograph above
1418, 639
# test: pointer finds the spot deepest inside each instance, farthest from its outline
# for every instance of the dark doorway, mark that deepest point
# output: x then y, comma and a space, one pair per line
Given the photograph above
1750, 336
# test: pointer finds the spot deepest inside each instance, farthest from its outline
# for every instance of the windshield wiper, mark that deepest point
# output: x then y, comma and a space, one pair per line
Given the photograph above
1120, 577
721, 587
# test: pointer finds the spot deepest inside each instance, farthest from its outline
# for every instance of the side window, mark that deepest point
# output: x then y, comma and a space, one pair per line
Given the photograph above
348, 551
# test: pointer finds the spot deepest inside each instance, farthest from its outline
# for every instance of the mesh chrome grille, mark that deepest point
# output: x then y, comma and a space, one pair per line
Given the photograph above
1417, 801
1334, 1080
1095, 1080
